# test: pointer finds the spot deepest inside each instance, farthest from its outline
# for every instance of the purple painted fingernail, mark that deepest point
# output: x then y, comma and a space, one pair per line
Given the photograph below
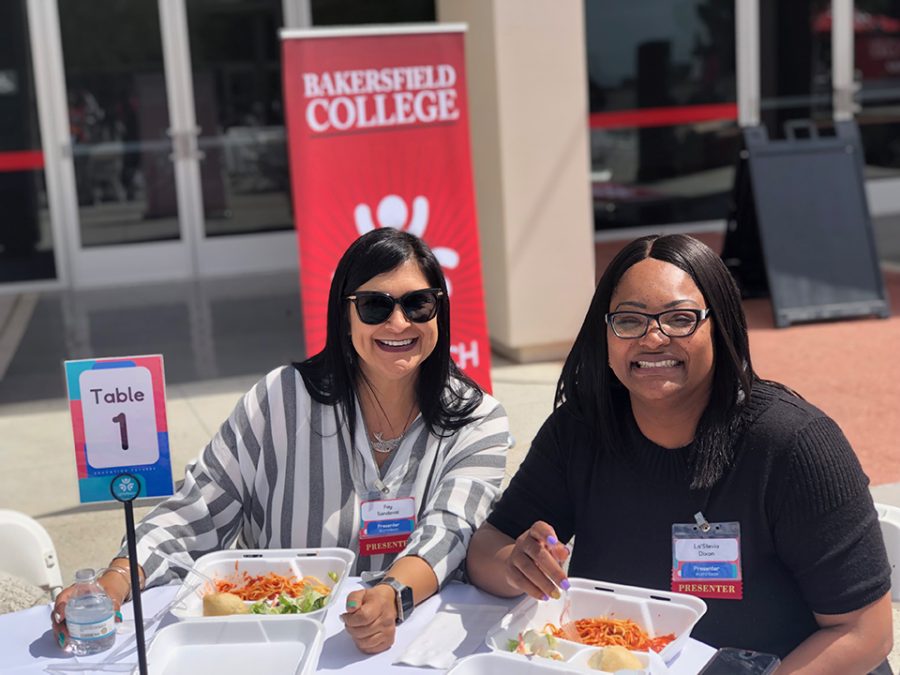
545, 598
553, 541
564, 584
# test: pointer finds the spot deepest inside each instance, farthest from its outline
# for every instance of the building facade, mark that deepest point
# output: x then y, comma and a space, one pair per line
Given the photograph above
144, 140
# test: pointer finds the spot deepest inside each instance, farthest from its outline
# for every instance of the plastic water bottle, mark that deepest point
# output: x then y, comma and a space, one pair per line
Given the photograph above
89, 616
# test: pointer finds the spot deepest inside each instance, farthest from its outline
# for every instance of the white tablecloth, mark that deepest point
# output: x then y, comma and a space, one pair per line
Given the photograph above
27, 644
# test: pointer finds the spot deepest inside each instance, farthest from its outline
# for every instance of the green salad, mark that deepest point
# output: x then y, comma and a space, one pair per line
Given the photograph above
309, 601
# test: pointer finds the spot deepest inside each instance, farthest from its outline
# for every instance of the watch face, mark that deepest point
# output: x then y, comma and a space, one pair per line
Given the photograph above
404, 595
406, 600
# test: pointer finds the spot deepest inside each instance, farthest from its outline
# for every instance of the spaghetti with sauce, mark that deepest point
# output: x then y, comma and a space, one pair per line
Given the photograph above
269, 586
604, 632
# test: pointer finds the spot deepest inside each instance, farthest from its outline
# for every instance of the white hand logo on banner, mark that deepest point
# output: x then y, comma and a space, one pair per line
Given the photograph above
393, 212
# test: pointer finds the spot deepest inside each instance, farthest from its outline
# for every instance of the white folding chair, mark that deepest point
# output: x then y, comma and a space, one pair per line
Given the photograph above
889, 519
27, 552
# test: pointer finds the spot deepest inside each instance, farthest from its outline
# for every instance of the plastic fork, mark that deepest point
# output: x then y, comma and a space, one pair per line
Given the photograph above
178, 563
200, 589
565, 622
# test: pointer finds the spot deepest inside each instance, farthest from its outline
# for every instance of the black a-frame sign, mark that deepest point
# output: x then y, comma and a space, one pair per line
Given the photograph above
801, 231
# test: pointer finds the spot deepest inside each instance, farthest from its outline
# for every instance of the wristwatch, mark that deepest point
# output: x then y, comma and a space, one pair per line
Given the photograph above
403, 595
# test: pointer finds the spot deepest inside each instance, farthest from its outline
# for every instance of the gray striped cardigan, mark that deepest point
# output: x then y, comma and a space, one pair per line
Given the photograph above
281, 473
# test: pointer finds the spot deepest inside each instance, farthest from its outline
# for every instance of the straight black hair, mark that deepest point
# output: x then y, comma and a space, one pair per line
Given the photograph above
446, 397
590, 387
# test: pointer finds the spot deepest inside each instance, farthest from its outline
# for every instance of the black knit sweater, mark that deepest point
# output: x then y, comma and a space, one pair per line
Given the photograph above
810, 540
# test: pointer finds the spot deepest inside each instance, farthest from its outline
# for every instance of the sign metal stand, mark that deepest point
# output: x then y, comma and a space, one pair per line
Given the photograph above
126, 488
118, 408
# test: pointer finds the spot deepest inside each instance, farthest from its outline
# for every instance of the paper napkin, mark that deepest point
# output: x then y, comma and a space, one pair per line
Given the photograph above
456, 631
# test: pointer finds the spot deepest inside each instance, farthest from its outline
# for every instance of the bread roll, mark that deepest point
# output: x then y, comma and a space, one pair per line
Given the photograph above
223, 604
614, 658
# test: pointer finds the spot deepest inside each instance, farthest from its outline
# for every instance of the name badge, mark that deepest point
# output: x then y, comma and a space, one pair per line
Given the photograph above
385, 525
706, 559
388, 509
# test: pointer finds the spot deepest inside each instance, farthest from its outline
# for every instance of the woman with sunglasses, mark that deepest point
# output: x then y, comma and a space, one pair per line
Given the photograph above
675, 467
380, 421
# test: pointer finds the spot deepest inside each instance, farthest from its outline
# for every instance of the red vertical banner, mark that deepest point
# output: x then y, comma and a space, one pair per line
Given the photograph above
378, 134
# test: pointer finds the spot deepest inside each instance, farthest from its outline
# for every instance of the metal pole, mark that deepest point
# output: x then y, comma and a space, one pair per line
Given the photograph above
297, 13
843, 85
746, 39
135, 588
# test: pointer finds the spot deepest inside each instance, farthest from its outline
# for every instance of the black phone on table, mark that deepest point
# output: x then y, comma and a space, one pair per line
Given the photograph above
731, 661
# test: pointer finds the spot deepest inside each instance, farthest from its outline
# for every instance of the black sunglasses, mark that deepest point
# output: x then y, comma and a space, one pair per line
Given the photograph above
374, 307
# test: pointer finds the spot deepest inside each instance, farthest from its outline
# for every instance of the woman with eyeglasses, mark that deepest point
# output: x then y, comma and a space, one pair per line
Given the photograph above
675, 467
380, 426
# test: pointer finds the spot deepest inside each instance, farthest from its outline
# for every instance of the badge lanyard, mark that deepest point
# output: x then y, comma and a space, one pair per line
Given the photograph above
358, 472
706, 558
386, 523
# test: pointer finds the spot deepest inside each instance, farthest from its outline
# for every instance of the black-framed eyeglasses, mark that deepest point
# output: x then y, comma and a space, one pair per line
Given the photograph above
374, 307
673, 323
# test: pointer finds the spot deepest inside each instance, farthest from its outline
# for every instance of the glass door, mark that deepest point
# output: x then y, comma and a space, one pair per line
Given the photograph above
235, 59
807, 48
236, 68
662, 95
124, 199
164, 173
876, 26
27, 241
795, 63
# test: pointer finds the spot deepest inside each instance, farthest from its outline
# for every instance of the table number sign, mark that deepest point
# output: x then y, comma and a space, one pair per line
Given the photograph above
118, 408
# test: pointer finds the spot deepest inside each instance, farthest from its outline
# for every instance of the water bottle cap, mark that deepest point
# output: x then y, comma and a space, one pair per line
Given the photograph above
86, 574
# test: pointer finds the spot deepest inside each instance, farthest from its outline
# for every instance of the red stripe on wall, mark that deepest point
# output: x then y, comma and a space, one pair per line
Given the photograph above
663, 117
24, 160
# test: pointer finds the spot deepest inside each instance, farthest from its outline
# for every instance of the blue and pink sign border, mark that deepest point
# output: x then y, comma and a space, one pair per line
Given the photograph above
94, 484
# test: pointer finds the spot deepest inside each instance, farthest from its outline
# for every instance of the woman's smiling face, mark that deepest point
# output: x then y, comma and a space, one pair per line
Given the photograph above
395, 349
656, 367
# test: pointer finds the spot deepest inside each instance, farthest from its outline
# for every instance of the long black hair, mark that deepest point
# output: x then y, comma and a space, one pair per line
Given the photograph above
446, 397
588, 384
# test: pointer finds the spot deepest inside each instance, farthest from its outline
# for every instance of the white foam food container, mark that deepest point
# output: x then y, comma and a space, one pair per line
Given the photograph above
657, 612
231, 564
497, 663
237, 646
503, 664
